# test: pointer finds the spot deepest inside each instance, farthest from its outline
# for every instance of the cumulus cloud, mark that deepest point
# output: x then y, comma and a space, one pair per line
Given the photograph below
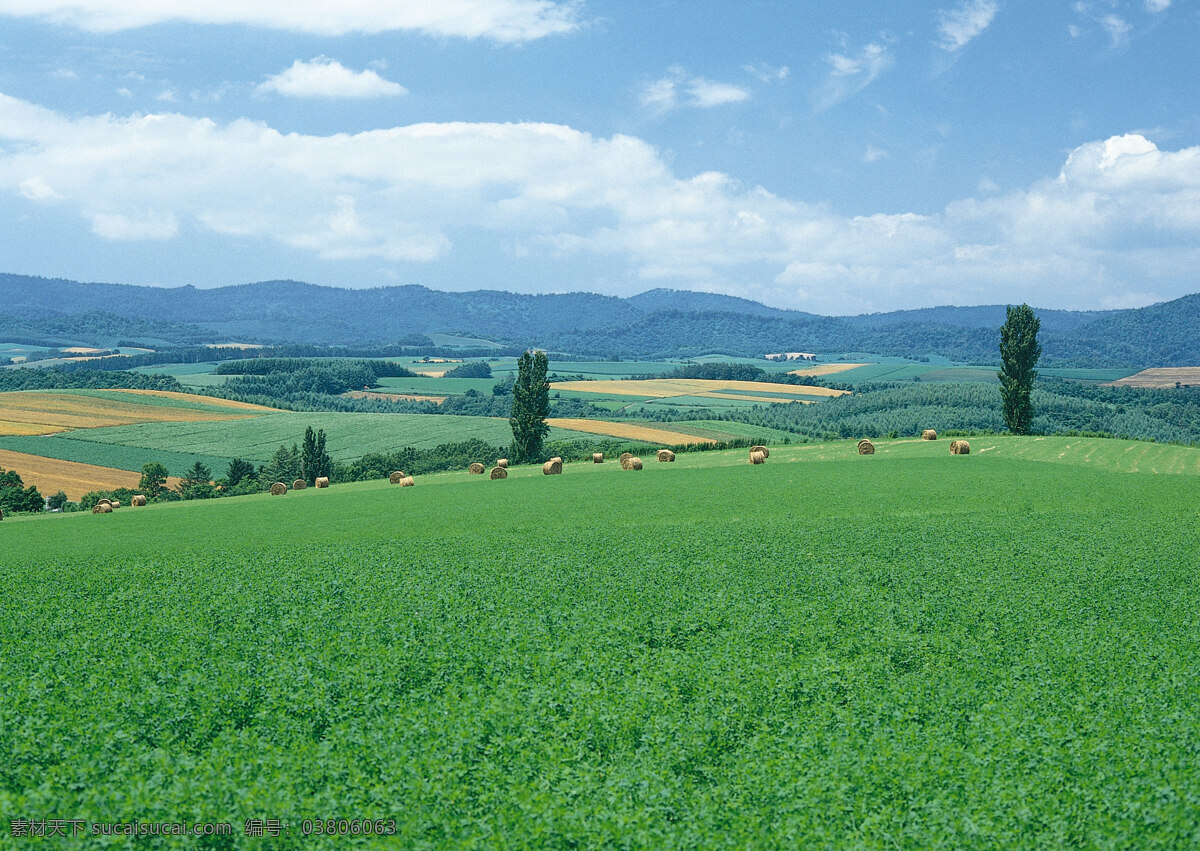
679, 89
1120, 214
958, 26
500, 20
328, 78
849, 74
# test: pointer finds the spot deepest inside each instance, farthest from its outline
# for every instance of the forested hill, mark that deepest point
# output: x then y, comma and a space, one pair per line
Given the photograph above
657, 323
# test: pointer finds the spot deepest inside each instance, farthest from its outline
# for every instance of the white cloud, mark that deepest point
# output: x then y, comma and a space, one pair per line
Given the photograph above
326, 78
850, 74
664, 94
958, 26
500, 20
1118, 30
1121, 215
768, 73
874, 154
1154, 6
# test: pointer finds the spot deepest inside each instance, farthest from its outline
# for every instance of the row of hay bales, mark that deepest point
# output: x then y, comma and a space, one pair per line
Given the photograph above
957, 447
279, 488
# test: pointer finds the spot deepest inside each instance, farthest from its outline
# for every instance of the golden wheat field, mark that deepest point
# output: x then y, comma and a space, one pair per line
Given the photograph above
1162, 377
50, 475
826, 368
631, 432
41, 412
206, 400
662, 388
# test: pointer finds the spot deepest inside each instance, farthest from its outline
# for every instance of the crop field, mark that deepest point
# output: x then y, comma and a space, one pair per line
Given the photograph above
48, 411
630, 431
910, 651
51, 475
826, 368
349, 435
695, 387
1162, 377
77, 446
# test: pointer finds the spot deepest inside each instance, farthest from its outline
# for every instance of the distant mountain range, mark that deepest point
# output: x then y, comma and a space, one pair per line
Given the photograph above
657, 323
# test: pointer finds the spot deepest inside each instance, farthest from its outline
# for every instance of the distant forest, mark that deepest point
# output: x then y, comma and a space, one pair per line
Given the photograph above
656, 324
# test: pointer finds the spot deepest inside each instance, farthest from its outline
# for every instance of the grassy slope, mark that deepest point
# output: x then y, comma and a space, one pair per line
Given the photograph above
910, 649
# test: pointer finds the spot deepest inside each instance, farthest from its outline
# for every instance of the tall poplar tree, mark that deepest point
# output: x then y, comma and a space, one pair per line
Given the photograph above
1019, 353
530, 406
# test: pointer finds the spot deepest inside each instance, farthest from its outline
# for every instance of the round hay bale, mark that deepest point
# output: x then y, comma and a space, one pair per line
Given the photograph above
102, 508
116, 503
929, 434
597, 457
278, 489
502, 462
666, 455
553, 467
104, 501
322, 481
866, 447
631, 463
138, 500
299, 485
407, 482
476, 469
557, 460
499, 472
625, 456
396, 477
766, 452
960, 447
757, 458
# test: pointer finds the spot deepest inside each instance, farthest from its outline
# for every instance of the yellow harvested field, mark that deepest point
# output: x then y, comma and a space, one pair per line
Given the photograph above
50, 475
427, 372
663, 388
12, 429
628, 431
827, 368
206, 400
38, 412
744, 397
82, 350
1162, 377
394, 397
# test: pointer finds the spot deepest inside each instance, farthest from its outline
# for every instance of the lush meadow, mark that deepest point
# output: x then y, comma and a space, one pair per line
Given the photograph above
909, 650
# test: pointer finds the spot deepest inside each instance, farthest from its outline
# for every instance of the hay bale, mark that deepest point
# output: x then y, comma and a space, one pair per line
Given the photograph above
666, 455
138, 501
104, 501
322, 481
625, 456
557, 459
499, 472
278, 489
407, 482
929, 434
597, 457
766, 452
553, 467
502, 462
102, 508
116, 503
960, 447
631, 463
476, 469
396, 477
866, 447
757, 458
299, 485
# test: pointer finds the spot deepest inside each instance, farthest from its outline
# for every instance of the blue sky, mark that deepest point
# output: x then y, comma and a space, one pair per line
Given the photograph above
833, 157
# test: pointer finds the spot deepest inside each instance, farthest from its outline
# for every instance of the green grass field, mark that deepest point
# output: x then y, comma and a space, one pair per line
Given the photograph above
908, 650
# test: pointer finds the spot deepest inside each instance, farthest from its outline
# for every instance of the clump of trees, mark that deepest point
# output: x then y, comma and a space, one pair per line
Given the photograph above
530, 407
15, 497
1019, 353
